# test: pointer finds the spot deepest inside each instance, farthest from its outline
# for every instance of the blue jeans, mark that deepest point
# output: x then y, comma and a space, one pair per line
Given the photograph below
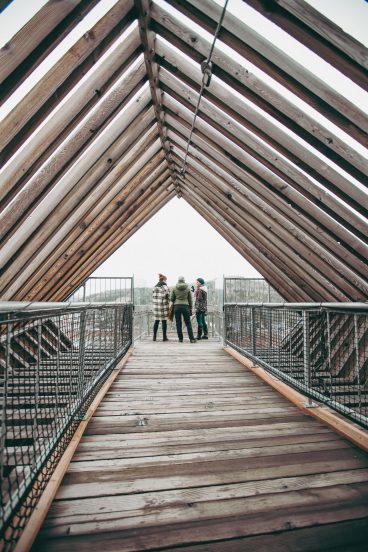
202, 324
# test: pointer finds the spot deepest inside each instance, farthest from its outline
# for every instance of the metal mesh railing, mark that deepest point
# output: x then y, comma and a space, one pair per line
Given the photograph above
142, 321
215, 322
53, 361
320, 349
109, 289
245, 290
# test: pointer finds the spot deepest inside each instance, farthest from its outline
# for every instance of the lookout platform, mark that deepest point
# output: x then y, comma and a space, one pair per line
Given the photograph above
190, 451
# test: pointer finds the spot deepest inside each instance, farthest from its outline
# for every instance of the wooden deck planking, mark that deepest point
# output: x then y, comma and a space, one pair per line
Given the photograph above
190, 450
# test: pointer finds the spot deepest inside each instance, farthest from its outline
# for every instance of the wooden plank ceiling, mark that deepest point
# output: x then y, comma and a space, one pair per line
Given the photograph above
95, 148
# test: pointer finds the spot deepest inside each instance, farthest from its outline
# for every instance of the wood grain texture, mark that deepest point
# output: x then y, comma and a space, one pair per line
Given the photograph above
190, 450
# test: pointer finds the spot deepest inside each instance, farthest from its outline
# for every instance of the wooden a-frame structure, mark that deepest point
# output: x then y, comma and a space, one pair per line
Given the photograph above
96, 146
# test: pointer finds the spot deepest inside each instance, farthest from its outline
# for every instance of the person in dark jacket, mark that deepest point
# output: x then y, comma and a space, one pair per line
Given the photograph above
160, 306
200, 305
181, 296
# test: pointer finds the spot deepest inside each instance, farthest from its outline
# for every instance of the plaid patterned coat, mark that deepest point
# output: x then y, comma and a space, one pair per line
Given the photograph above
160, 302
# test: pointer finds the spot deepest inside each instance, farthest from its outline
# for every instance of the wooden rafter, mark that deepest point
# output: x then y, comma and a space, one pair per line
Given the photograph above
148, 40
282, 68
281, 183
319, 34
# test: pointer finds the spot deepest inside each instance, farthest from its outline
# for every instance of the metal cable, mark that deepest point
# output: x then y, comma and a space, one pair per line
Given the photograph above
206, 67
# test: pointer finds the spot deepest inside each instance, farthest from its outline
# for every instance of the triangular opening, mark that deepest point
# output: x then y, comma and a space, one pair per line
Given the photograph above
176, 240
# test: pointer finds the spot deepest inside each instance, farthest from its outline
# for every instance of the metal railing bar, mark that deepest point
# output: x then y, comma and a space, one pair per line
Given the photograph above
51, 372
358, 306
294, 384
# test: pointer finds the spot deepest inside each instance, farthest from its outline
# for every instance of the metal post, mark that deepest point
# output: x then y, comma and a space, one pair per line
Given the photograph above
329, 349
223, 291
5, 402
224, 322
81, 356
357, 367
242, 333
306, 355
115, 332
253, 330
58, 334
84, 292
37, 391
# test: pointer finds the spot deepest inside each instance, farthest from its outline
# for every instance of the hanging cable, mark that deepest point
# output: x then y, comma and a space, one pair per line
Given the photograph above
206, 68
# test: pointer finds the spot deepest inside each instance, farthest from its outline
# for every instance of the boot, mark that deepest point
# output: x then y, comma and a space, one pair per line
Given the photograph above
164, 330
155, 328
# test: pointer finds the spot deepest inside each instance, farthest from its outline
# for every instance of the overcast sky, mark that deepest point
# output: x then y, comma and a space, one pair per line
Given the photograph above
177, 240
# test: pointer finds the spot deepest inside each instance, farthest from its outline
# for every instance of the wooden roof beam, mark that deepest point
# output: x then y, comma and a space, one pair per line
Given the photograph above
148, 40
40, 274
69, 178
275, 63
282, 228
67, 115
284, 172
36, 39
87, 269
248, 186
277, 254
111, 241
105, 231
319, 34
103, 200
312, 129
280, 250
322, 227
277, 278
66, 227
349, 158
61, 78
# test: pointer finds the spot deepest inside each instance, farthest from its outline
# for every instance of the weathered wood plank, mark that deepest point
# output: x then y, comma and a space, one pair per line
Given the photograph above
218, 535
142, 481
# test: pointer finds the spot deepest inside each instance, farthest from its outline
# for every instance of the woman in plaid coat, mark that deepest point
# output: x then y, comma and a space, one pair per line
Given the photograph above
160, 305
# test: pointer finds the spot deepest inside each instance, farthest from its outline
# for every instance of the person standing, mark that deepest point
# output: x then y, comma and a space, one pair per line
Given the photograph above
160, 305
200, 305
181, 296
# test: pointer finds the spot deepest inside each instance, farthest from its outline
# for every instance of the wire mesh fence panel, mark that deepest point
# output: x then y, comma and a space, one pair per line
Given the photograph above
52, 364
105, 290
245, 290
321, 350
142, 321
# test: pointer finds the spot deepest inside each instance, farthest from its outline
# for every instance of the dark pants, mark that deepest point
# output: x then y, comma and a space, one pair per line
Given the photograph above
202, 324
183, 311
164, 328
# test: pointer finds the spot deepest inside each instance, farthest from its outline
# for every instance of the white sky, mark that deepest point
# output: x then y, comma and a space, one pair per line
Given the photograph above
177, 240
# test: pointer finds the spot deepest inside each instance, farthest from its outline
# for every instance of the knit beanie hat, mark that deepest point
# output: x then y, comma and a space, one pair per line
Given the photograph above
181, 279
162, 278
201, 281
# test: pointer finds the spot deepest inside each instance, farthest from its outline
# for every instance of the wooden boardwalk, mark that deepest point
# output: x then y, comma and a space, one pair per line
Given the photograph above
190, 451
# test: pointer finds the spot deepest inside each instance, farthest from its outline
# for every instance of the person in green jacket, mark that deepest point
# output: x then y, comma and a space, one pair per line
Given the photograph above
181, 296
